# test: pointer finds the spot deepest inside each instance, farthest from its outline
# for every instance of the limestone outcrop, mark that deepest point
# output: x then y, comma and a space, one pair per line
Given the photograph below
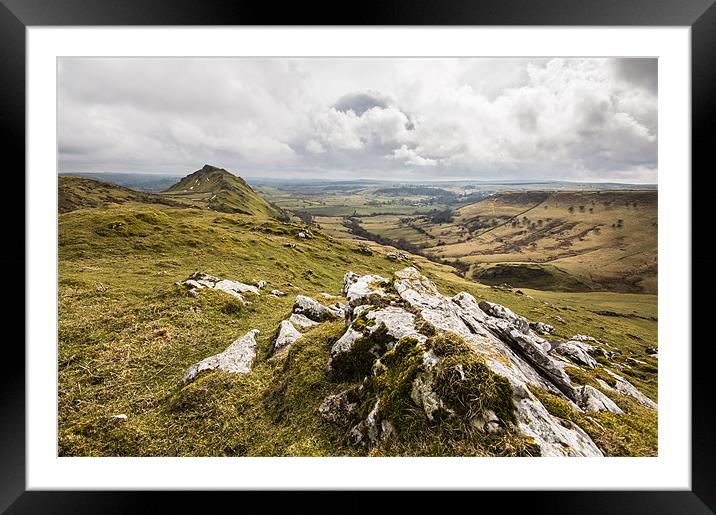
402, 334
408, 350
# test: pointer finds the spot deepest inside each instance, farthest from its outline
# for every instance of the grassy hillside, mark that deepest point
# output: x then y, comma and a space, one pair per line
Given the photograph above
127, 333
76, 193
591, 240
222, 191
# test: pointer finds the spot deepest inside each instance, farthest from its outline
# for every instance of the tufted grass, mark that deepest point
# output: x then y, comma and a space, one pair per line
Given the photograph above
127, 333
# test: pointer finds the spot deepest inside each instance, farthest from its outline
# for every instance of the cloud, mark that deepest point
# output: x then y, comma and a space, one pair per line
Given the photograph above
640, 72
315, 147
410, 157
359, 102
348, 130
423, 118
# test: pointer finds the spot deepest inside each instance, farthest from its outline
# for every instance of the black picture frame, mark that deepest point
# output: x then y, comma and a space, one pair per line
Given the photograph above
700, 15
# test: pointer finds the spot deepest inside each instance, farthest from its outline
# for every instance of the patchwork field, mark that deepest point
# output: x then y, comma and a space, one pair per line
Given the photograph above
523, 235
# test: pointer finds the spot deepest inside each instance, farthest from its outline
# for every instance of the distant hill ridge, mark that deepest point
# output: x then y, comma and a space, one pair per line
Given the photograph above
222, 191
78, 193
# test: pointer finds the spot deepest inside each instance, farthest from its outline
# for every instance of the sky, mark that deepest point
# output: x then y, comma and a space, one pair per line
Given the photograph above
369, 118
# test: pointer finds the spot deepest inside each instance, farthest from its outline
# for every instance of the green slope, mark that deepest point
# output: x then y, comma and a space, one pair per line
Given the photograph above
222, 191
79, 193
127, 333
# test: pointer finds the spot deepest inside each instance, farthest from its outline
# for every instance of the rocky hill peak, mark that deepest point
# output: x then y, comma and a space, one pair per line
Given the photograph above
223, 191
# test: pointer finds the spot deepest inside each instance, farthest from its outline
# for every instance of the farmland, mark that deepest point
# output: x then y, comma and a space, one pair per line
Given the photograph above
538, 235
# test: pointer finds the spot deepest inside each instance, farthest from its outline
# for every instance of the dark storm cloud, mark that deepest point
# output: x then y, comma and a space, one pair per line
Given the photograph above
359, 103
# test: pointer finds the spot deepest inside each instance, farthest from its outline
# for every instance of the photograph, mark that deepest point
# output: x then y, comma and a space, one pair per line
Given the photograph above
357, 256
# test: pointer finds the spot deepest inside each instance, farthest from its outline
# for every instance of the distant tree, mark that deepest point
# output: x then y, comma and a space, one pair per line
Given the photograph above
571, 209
591, 210
305, 216
440, 217
581, 209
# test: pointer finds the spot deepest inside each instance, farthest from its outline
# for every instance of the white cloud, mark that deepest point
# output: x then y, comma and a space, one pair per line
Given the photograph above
315, 147
479, 118
410, 157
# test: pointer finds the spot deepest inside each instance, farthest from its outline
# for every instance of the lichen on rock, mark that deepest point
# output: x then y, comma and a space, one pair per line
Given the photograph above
425, 358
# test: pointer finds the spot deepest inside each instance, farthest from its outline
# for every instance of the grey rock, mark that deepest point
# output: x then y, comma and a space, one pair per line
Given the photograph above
397, 255
607, 354
626, 388
416, 289
369, 431
345, 342
201, 276
237, 358
301, 321
278, 293
507, 344
583, 338
235, 288
541, 327
192, 284
315, 310
398, 323
592, 400
361, 289
498, 311
422, 392
488, 422
287, 334
553, 437
338, 408
577, 352
199, 280
532, 349
260, 284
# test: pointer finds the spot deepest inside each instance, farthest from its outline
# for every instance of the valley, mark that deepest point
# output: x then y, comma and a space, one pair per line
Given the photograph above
581, 262
533, 235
